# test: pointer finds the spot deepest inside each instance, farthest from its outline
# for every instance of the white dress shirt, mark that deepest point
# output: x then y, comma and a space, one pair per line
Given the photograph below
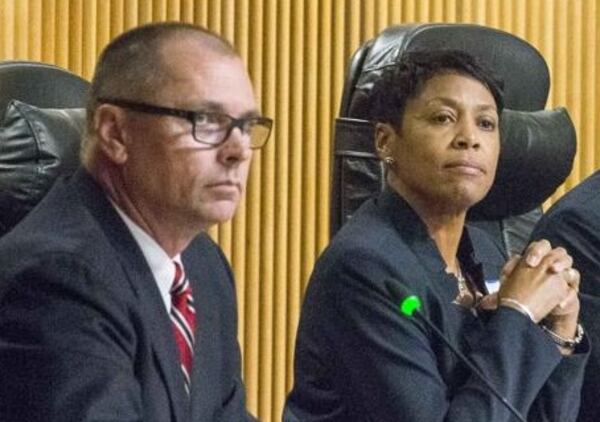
159, 262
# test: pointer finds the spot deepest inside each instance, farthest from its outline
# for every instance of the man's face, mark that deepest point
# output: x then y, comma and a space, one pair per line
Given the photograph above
447, 148
168, 174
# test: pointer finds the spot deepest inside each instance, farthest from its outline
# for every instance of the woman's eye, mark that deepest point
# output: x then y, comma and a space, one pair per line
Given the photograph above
487, 124
442, 118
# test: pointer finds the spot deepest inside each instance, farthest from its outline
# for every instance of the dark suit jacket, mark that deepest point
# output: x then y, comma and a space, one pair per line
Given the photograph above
357, 359
574, 223
84, 334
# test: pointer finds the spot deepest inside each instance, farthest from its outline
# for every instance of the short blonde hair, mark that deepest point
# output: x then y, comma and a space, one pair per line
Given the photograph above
131, 67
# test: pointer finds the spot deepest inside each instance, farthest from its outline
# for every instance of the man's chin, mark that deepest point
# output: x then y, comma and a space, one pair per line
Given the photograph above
218, 213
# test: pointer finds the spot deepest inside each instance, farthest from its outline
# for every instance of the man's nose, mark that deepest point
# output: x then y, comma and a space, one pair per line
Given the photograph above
236, 147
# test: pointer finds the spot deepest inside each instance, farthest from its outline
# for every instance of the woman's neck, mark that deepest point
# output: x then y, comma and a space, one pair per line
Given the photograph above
446, 233
445, 224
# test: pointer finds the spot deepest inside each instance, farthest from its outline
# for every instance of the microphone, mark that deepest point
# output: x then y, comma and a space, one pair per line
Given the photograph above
410, 306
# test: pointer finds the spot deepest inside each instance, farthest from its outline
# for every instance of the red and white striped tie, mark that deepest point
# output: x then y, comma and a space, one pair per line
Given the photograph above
183, 316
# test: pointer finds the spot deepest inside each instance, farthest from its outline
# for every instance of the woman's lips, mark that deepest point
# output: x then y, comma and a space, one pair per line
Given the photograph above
466, 167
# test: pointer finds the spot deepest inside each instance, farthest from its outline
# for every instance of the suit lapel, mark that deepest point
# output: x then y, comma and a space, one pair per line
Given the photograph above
429, 264
207, 358
142, 282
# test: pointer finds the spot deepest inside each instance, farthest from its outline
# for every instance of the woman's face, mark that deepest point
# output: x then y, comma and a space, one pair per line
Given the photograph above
446, 150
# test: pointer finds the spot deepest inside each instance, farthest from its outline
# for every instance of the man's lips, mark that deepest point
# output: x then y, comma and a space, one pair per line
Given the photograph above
225, 185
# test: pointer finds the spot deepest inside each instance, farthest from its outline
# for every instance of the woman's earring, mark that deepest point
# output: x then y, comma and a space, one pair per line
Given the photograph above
389, 160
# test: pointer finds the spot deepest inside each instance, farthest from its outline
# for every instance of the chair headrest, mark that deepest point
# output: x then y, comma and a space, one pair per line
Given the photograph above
36, 146
38, 139
40, 84
536, 156
523, 69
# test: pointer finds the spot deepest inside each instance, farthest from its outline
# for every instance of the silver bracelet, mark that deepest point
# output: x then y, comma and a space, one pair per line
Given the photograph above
568, 343
516, 305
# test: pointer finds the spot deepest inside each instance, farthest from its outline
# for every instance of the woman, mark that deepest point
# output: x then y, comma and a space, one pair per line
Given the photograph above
437, 118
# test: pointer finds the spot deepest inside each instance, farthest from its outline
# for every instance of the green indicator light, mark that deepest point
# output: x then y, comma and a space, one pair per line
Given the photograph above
410, 304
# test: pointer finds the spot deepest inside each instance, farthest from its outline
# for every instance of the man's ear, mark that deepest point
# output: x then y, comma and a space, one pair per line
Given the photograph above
384, 136
108, 123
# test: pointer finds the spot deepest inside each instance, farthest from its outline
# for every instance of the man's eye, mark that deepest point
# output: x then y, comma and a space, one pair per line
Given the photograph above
210, 120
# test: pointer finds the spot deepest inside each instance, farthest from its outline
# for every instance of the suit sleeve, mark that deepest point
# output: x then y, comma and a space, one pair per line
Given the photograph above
66, 347
234, 408
387, 368
579, 234
559, 399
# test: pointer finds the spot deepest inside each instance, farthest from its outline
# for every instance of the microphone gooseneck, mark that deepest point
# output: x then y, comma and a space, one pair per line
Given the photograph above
410, 306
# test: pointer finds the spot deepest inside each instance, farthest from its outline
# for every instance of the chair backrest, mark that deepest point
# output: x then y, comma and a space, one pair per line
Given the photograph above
538, 146
43, 119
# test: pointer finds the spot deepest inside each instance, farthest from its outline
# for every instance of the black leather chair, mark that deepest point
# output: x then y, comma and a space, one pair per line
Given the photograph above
538, 146
44, 118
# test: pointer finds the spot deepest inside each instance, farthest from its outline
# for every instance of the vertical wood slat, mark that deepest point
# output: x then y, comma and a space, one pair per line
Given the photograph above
75, 36
243, 232
62, 29
145, 11
173, 10
275, 314
109, 18
520, 15
297, 54
308, 169
573, 62
558, 89
159, 10
450, 14
114, 10
130, 14
435, 11
35, 37
48, 36
7, 31
597, 82
21, 38
261, 47
589, 92
325, 117
88, 38
201, 12
295, 212
187, 11
282, 142
409, 11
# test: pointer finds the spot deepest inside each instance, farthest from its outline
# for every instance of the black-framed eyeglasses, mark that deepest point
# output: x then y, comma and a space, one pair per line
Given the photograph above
209, 128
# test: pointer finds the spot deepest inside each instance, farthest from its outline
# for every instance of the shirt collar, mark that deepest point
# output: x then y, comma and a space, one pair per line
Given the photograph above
161, 265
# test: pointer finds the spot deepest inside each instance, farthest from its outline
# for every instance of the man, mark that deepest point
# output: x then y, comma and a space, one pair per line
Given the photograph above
574, 223
113, 303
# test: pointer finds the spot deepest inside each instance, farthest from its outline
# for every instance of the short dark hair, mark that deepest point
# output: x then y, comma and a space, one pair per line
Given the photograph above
406, 78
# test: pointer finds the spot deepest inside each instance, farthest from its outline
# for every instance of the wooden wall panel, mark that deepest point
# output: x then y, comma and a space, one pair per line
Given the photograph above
297, 52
